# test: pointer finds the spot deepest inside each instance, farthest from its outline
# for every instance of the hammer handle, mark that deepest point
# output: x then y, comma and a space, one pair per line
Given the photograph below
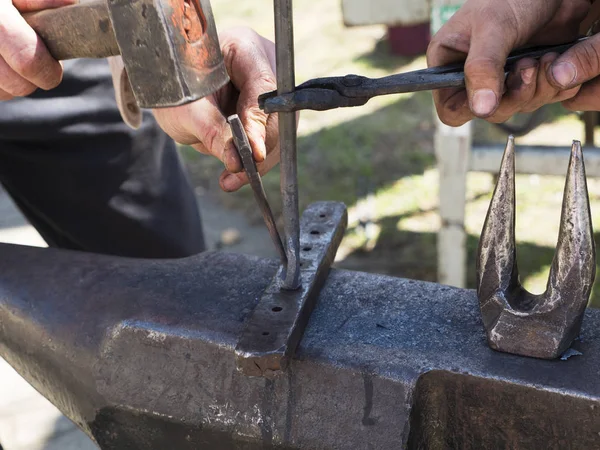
78, 31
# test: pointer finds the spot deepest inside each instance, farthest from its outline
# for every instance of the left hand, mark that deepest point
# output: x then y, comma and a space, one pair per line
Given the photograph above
250, 62
484, 32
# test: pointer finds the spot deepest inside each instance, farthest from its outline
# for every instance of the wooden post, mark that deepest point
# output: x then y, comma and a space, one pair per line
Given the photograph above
452, 149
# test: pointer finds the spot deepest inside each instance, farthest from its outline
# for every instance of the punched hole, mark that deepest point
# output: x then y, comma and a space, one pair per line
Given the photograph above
307, 249
322, 216
315, 232
266, 333
277, 309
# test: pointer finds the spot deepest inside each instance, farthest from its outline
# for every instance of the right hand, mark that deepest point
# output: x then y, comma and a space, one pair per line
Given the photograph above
25, 63
485, 32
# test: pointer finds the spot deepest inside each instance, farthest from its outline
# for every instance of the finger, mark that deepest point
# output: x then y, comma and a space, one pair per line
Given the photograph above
38, 5
252, 73
545, 92
521, 87
12, 83
232, 182
587, 99
201, 125
484, 67
272, 141
5, 95
578, 65
24, 51
452, 106
566, 95
214, 133
450, 45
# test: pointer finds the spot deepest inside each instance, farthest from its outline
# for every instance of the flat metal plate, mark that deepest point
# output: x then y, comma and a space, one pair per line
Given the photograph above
275, 327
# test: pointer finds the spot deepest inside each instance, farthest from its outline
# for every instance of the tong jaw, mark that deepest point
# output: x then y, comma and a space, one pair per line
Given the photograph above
516, 321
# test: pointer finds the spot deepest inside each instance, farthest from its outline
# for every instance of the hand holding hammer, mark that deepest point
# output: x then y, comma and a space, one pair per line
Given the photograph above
164, 55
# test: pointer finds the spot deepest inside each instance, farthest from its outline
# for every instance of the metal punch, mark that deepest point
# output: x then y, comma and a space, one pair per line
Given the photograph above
322, 94
242, 144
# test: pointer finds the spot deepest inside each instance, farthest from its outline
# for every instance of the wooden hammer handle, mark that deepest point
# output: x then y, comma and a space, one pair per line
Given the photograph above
78, 31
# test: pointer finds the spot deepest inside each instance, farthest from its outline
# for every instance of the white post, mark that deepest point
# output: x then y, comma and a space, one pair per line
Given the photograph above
452, 149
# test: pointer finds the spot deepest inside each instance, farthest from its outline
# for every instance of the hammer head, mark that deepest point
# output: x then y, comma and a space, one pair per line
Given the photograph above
170, 49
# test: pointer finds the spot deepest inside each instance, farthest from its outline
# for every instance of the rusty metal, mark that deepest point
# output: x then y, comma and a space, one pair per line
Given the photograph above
516, 321
323, 94
170, 48
140, 354
276, 325
242, 144
284, 42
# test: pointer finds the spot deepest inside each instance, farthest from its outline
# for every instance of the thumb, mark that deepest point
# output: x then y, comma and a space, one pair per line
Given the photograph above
484, 67
576, 66
24, 6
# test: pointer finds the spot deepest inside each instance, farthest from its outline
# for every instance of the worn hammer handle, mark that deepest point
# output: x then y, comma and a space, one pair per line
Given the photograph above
78, 31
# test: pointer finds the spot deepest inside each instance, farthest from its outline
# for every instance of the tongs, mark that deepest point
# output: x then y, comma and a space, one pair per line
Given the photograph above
321, 94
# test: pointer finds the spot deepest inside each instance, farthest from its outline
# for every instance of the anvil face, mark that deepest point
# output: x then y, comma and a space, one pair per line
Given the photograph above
140, 354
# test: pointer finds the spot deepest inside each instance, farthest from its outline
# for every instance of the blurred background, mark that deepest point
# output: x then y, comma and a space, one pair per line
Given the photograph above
379, 159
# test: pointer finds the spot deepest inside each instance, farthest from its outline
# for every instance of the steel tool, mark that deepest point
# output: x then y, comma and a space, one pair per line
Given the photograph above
322, 94
170, 48
516, 321
284, 43
240, 139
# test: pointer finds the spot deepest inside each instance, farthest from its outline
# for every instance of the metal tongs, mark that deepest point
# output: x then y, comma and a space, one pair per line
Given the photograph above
321, 94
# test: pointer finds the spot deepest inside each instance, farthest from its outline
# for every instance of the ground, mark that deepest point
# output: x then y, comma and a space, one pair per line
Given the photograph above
378, 159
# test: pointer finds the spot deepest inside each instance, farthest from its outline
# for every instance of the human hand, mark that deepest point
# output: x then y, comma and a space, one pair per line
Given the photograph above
25, 63
250, 62
581, 66
485, 32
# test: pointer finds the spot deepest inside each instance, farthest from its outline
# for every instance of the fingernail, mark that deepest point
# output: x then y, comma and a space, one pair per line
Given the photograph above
527, 75
484, 102
229, 183
564, 73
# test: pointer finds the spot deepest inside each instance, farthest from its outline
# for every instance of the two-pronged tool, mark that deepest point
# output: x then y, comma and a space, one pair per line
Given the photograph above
516, 321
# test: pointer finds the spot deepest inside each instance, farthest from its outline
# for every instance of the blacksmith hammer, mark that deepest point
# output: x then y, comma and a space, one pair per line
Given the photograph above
170, 48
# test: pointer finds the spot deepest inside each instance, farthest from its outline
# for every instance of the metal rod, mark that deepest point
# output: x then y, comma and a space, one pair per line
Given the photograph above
284, 39
240, 139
